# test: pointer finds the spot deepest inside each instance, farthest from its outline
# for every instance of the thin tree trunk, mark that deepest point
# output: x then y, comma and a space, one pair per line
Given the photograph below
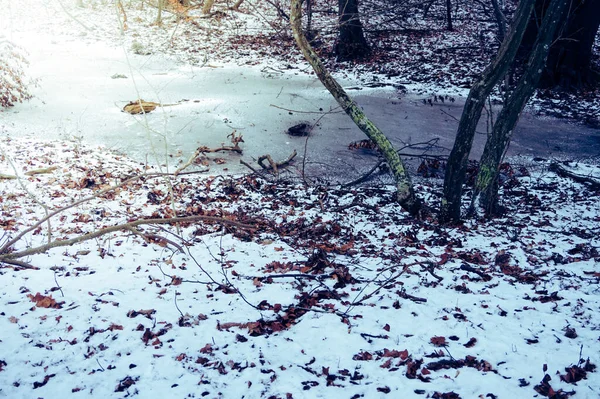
569, 63
486, 187
159, 15
449, 15
457, 162
405, 193
500, 20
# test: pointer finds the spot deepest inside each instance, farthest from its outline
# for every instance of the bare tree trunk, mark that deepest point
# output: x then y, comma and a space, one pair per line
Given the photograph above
500, 20
457, 162
486, 185
405, 193
569, 64
160, 10
449, 15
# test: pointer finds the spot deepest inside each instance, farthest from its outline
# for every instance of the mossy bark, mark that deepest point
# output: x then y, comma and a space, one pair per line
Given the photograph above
486, 189
457, 162
405, 193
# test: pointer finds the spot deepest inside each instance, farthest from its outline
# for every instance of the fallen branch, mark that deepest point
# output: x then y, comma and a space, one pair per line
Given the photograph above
143, 107
246, 164
563, 172
365, 176
125, 226
484, 276
41, 171
5, 248
274, 166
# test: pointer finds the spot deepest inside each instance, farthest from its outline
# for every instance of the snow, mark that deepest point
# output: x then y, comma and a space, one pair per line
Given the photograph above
278, 289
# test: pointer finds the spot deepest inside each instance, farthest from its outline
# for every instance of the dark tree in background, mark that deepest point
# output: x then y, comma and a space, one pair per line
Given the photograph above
569, 64
351, 43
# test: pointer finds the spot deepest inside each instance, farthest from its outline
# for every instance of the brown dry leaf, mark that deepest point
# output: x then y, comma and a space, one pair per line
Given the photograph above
43, 301
113, 327
144, 312
176, 280
13, 319
403, 355
438, 341
362, 356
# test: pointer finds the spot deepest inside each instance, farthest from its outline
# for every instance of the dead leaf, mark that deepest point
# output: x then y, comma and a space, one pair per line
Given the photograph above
438, 341
42, 301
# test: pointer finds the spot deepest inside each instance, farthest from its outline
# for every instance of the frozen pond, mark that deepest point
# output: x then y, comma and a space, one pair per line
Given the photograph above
80, 95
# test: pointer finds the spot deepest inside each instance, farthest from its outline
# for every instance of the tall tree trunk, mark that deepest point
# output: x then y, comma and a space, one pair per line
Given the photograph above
457, 162
351, 43
405, 193
500, 20
569, 63
486, 187
449, 15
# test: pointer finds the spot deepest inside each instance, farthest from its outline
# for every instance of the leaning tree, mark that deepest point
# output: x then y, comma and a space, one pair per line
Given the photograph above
486, 187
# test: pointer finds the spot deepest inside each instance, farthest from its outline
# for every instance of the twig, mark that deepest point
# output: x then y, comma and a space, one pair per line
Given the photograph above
148, 237
307, 112
289, 275
253, 170
274, 166
177, 306
365, 176
5, 248
59, 287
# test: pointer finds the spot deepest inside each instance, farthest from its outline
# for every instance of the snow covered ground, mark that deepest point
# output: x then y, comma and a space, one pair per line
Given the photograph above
263, 288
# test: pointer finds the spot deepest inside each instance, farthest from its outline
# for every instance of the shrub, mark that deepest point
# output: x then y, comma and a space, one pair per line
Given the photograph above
13, 87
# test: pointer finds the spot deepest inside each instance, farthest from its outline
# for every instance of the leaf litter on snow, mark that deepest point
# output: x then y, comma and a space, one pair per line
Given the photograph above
331, 290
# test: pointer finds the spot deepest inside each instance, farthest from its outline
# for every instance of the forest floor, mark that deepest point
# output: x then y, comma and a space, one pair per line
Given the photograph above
275, 287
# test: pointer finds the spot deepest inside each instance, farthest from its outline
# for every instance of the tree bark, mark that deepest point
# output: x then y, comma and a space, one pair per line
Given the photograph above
457, 162
351, 43
449, 15
569, 63
405, 192
500, 20
486, 187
